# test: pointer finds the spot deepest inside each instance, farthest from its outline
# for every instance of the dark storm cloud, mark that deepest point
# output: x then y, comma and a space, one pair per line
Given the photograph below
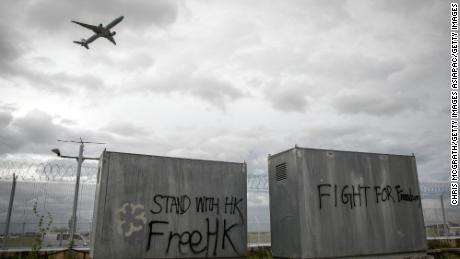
355, 67
8, 46
414, 88
208, 88
37, 132
331, 72
34, 133
51, 15
287, 101
382, 136
215, 91
5, 119
11, 49
10, 141
36, 127
30, 133
251, 144
400, 53
373, 103
61, 82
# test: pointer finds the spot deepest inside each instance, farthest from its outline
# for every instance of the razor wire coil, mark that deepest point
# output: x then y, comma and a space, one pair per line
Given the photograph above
63, 172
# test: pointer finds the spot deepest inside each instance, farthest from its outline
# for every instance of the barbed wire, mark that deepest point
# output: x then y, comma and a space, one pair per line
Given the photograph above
45, 171
62, 172
258, 183
434, 189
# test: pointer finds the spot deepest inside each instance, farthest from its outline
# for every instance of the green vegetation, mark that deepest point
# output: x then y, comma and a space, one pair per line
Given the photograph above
42, 229
446, 255
260, 253
436, 244
47, 255
71, 254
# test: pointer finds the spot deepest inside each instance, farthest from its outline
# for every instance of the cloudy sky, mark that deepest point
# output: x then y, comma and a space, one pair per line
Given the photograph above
228, 80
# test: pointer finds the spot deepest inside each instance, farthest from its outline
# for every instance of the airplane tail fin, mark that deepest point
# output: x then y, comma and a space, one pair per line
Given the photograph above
82, 43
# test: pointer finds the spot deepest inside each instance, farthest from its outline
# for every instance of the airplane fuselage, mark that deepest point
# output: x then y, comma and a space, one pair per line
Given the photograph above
102, 32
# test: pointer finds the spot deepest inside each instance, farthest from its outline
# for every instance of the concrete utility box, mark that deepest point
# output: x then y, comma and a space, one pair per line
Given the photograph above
163, 207
329, 204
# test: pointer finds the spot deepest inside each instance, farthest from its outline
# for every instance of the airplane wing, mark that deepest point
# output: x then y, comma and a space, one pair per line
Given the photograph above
110, 38
87, 26
113, 23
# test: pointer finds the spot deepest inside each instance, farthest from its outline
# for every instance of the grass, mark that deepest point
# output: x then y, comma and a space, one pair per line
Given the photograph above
260, 253
435, 244
446, 255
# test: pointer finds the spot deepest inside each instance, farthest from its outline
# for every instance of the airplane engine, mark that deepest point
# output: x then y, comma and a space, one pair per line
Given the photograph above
113, 33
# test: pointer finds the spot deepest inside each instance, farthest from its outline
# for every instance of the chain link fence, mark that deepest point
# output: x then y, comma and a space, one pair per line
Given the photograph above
49, 188
44, 189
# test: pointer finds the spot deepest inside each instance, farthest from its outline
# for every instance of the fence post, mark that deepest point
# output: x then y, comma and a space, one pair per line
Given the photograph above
10, 210
445, 226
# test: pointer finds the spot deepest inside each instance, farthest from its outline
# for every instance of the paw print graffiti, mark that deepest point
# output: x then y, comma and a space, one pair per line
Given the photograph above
130, 218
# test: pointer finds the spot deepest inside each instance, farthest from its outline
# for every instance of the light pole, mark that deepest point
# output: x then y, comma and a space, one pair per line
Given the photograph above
80, 158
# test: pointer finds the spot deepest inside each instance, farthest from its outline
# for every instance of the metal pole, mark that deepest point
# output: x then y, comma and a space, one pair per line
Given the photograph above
10, 210
75, 198
258, 231
445, 228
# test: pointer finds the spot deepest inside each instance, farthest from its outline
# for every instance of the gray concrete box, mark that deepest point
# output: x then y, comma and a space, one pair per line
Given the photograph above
163, 207
329, 204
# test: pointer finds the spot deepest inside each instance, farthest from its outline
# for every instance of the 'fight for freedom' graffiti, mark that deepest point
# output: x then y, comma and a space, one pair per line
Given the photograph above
361, 195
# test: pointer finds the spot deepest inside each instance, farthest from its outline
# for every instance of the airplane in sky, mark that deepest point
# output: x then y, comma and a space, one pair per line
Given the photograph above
99, 31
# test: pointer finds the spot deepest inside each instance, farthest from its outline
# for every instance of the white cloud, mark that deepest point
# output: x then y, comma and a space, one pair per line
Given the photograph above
229, 80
